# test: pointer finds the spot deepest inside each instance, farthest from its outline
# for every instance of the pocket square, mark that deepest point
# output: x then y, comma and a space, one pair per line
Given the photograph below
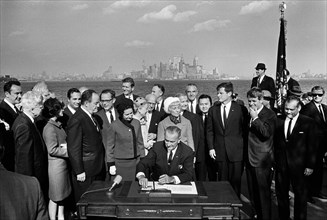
180, 166
301, 132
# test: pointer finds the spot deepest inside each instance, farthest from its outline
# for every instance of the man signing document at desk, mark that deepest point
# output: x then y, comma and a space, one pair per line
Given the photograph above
170, 161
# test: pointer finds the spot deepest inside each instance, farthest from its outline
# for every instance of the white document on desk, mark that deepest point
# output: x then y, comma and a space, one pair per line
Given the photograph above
187, 189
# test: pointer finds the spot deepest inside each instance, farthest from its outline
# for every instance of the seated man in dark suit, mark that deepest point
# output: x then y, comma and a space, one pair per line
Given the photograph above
21, 196
170, 160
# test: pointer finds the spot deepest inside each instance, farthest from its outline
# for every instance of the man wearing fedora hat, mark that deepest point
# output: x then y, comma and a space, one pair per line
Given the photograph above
263, 81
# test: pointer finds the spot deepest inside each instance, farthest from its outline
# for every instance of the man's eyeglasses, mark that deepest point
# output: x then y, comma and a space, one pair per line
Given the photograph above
106, 100
320, 95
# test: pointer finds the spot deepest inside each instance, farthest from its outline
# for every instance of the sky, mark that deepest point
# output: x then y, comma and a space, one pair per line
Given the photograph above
89, 36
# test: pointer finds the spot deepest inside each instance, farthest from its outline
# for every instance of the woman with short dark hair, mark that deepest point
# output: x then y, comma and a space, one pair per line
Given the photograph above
55, 139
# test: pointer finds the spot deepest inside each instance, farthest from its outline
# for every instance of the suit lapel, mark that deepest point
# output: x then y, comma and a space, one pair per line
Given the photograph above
220, 120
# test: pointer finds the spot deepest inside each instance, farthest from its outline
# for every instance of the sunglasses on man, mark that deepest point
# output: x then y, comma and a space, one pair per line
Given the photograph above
320, 95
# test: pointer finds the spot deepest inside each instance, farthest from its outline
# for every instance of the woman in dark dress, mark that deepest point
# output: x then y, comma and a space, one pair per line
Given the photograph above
55, 139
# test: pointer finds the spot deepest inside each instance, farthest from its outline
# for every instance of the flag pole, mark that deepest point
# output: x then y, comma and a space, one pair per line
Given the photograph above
281, 84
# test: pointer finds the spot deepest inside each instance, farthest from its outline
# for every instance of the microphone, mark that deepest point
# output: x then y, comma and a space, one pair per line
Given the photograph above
117, 180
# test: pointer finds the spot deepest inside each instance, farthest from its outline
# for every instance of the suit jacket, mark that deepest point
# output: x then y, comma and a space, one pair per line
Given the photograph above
228, 141
312, 111
267, 83
162, 112
121, 97
66, 115
197, 133
299, 152
31, 157
84, 145
186, 130
21, 197
156, 160
121, 142
105, 127
260, 139
155, 120
8, 115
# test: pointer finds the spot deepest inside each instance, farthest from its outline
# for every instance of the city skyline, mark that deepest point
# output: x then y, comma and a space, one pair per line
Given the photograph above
89, 36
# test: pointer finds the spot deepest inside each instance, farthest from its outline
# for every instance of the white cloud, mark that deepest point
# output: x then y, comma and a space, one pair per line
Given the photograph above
167, 13
198, 4
129, 3
184, 16
122, 4
138, 44
80, 7
256, 7
210, 25
17, 33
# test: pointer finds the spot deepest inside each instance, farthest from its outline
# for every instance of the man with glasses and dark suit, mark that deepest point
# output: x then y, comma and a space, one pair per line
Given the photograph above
318, 112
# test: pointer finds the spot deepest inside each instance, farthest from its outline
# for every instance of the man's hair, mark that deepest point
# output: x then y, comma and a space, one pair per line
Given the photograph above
129, 80
30, 99
318, 88
71, 91
205, 96
87, 96
191, 84
293, 98
7, 86
227, 85
255, 92
106, 91
173, 129
52, 107
161, 87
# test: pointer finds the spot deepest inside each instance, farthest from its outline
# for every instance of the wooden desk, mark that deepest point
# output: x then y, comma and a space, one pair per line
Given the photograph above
216, 200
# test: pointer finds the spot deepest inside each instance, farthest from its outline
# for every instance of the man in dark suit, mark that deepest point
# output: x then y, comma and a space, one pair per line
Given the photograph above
318, 112
84, 144
8, 113
205, 103
263, 81
31, 157
159, 90
295, 154
128, 85
259, 155
225, 131
153, 117
21, 196
106, 115
198, 138
170, 160
73, 103
192, 93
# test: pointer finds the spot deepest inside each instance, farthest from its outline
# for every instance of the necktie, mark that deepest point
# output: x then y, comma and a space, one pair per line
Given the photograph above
111, 117
16, 109
170, 158
191, 106
95, 123
205, 120
322, 113
288, 134
224, 116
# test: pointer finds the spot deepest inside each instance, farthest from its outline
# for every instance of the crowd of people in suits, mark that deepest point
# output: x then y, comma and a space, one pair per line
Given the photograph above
172, 140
